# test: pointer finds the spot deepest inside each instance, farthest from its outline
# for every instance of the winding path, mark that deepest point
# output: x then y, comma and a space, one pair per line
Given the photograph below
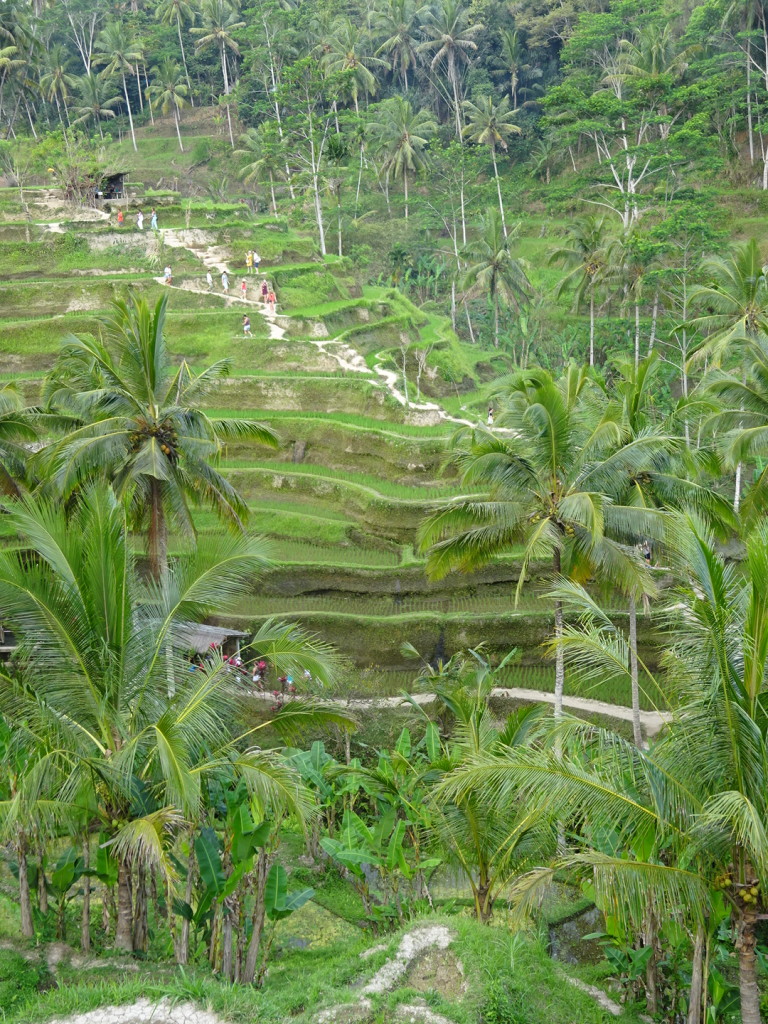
214, 258
651, 721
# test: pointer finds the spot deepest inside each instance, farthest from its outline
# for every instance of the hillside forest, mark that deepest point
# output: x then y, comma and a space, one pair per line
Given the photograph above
466, 472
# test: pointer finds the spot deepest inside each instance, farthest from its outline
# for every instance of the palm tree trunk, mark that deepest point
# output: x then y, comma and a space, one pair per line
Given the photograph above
455, 83
496, 318
130, 114
140, 910
184, 62
405, 187
257, 918
178, 129
737, 489
158, 535
637, 334
25, 897
182, 956
697, 978
559, 653
226, 93
272, 190
749, 993
591, 327
654, 320
85, 924
637, 733
124, 929
498, 190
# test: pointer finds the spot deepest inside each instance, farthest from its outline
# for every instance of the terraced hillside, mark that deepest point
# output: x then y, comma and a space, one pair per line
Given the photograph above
360, 461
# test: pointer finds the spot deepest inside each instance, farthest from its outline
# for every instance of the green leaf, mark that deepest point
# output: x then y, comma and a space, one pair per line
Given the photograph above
207, 851
275, 890
403, 745
66, 873
432, 742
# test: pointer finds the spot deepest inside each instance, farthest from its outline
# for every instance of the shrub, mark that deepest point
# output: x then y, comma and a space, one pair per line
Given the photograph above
19, 978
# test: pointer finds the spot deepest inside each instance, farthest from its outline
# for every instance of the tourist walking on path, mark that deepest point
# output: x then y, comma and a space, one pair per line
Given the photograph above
264, 291
249, 261
247, 327
153, 219
256, 261
490, 415
244, 288
272, 301
209, 280
120, 218
140, 220
225, 281
168, 274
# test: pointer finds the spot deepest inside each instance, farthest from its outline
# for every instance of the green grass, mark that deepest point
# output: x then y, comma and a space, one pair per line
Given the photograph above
351, 420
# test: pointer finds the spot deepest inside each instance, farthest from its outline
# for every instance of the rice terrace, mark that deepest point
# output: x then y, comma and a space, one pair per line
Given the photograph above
384, 512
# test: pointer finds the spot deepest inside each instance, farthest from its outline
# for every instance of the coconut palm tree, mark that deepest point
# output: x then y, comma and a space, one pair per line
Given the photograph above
17, 428
736, 317
585, 255
550, 482
56, 83
119, 54
179, 13
220, 22
346, 55
402, 135
699, 796
168, 91
91, 675
95, 103
490, 124
264, 155
141, 426
450, 40
397, 21
493, 271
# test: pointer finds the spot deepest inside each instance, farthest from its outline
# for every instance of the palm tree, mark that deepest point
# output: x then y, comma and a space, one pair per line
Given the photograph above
490, 125
736, 320
168, 92
651, 61
345, 55
513, 52
699, 796
544, 157
57, 83
397, 21
16, 427
550, 480
402, 135
119, 54
181, 13
142, 427
91, 680
262, 150
585, 255
493, 271
220, 21
450, 39
95, 102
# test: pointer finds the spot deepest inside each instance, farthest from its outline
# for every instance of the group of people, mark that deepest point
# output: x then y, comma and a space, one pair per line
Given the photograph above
139, 219
252, 261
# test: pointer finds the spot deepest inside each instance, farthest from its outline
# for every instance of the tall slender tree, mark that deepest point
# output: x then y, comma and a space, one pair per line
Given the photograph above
219, 23
118, 53
450, 39
490, 124
493, 271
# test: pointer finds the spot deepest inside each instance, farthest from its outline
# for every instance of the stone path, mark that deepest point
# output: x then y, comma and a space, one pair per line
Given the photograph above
143, 1011
651, 721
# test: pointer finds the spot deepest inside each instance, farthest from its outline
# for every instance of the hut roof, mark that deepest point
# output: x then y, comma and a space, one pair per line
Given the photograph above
198, 637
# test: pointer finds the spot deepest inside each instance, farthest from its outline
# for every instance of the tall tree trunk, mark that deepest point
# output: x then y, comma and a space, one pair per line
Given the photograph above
25, 898
178, 128
158, 534
182, 955
184, 62
749, 993
257, 917
559, 653
455, 83
637, 334
226, 93
496, 318
42, 881
696, 989
654, 320
637, 733
85, 922
140, 911
124, 929
130, 114
498, 191
592, 326
405, 187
